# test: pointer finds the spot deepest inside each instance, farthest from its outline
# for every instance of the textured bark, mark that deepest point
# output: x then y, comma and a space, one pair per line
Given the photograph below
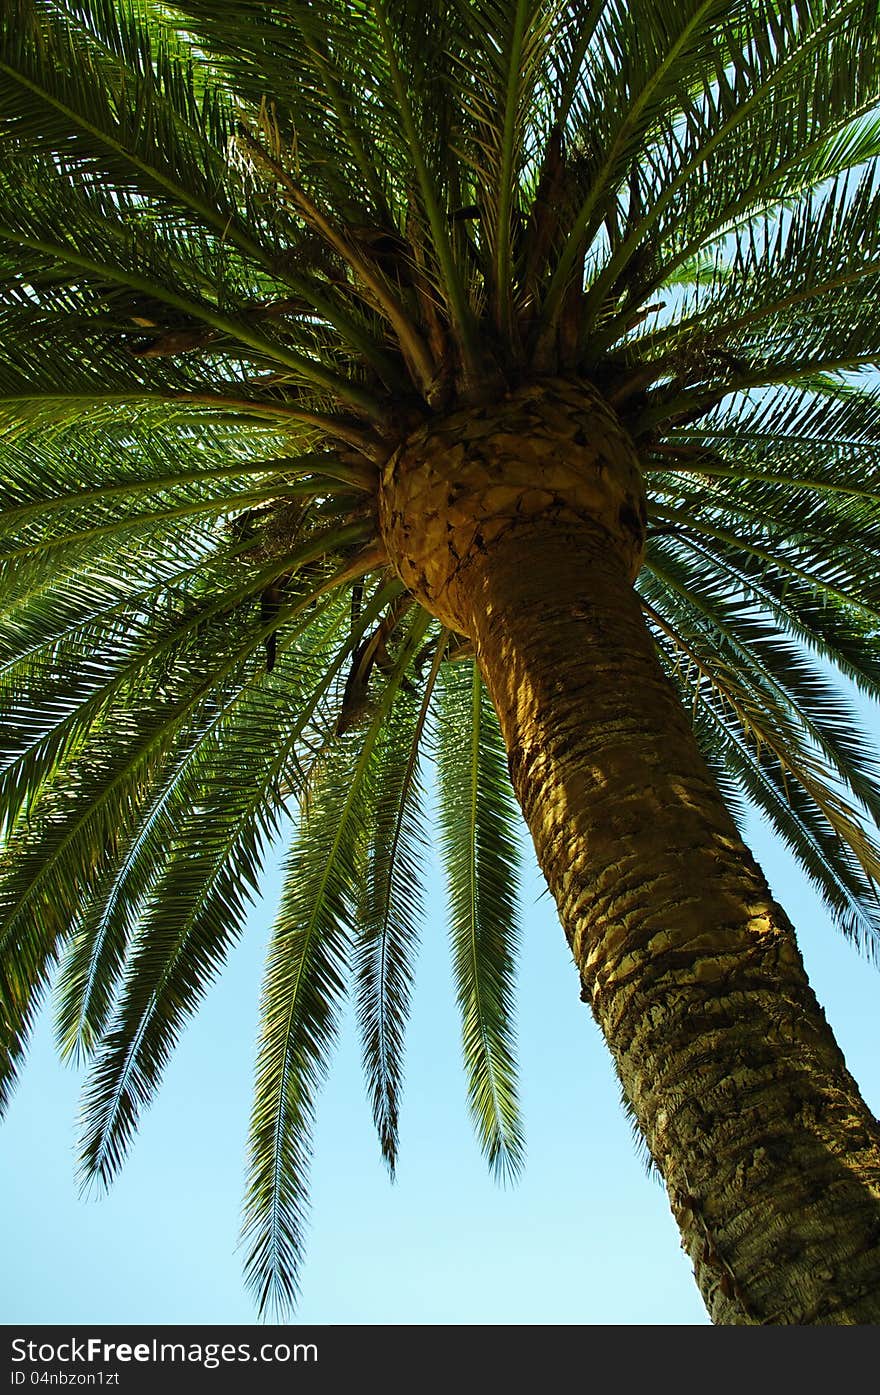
457, 487
770, 1156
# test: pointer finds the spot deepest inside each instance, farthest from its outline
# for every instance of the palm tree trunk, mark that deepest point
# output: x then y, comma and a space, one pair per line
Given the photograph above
521, 524
770, 1156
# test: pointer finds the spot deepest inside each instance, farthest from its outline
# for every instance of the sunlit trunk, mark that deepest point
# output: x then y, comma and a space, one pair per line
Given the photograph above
770, 1156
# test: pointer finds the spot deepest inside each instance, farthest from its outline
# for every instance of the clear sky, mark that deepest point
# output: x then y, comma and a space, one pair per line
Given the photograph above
585, 1237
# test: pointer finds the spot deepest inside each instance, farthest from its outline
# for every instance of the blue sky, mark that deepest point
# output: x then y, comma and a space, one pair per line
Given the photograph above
585, 1237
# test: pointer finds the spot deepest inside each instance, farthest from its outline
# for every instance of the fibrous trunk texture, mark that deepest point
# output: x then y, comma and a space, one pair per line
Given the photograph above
770, 1156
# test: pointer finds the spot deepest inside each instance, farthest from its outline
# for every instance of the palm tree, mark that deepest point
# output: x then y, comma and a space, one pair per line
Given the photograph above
488, 380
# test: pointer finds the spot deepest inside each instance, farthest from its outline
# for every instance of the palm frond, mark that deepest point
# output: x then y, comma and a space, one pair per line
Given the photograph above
785, 734
390, 907
480, 853
306, 981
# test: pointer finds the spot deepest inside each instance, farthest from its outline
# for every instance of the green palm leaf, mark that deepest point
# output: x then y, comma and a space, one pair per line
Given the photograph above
479, 847
391, 906
305, 984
